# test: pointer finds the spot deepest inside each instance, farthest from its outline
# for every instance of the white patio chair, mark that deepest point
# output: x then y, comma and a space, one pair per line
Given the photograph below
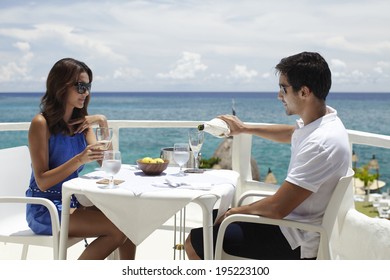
15, 172
325, 228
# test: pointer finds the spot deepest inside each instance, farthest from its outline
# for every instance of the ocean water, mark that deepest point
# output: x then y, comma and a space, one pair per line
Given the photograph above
359, 111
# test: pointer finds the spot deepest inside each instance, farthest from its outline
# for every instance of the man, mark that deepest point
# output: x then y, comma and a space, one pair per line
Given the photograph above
320, 155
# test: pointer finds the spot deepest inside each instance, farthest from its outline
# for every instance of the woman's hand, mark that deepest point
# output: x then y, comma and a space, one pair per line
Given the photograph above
91, 153
87, 121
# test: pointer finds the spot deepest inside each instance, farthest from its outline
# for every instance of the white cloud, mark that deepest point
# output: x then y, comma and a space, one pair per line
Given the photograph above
378, 70
9, 71
356, 74
248, 36
337, 64
23, 46
18, 69
74, 39
126, 73
65, 37
186, 67
384, 64
381, 67
266, 75
242, 72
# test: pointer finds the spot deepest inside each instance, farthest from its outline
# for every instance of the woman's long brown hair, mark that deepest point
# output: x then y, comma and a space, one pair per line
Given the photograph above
64, 74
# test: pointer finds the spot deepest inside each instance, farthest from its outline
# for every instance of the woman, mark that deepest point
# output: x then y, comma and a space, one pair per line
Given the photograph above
61, 141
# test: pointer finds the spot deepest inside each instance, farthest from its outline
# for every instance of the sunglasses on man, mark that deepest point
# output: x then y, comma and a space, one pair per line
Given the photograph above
283, 89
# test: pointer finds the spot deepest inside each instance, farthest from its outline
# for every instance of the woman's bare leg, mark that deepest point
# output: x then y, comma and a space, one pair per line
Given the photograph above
127, 250
191, 253
85, 222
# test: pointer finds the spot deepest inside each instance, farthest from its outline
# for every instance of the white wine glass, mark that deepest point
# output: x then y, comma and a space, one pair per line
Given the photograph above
181, 154
104, 137
112, 162
196, 138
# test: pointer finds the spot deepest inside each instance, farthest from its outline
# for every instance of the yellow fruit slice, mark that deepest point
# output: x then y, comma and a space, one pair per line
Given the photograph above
159, 160
147, 160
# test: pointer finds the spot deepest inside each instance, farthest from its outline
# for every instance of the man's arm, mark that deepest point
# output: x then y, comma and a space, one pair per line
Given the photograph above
276, 132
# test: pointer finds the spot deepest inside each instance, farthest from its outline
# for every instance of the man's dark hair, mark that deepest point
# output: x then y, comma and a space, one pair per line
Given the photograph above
307, 69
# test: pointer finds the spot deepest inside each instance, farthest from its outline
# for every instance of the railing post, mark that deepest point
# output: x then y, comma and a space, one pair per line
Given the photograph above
241, 161
115, 136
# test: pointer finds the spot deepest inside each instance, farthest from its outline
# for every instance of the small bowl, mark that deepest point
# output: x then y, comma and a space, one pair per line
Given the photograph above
152, 168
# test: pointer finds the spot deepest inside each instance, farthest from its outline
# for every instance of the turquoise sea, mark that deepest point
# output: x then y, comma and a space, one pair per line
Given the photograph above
359, 111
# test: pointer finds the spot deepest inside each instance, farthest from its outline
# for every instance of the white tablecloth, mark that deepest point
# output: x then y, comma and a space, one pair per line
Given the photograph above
142, 203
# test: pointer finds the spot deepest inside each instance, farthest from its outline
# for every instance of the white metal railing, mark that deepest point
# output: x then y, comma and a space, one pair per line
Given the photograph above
242, 144
15, 126
116, 125
124, 124
355, 137
241, 154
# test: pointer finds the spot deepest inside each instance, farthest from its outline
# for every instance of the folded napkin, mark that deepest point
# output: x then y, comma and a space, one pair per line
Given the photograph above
183, 185
106, 181
198, 186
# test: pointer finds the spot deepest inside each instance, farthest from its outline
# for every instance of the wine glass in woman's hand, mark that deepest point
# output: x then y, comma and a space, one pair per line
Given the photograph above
103, 137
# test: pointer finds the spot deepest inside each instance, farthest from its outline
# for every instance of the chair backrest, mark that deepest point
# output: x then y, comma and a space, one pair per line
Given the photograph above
15, 167
15, 173
335, 200
333, 207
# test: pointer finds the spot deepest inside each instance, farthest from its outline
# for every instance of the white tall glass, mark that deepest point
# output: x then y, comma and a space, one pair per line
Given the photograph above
196, 138
103, 137
181, 154
112, 162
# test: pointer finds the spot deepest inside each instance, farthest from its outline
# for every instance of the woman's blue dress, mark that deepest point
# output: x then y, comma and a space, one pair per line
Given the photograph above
61, 149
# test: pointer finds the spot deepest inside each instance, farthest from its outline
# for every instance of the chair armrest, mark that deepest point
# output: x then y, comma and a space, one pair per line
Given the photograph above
55, 221
262, 220
255, 193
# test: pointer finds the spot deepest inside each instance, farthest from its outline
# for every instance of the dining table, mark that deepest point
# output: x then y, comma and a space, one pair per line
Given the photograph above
140, 204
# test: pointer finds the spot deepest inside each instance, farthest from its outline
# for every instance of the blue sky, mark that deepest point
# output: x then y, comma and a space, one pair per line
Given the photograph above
193, 45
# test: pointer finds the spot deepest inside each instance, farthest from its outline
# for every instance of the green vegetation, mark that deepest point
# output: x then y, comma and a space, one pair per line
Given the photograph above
366, 208
209, 163
363, 173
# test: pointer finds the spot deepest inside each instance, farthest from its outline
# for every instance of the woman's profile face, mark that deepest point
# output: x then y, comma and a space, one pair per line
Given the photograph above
76, 99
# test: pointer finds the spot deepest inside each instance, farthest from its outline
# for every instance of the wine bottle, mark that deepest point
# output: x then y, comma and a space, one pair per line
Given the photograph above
215, 127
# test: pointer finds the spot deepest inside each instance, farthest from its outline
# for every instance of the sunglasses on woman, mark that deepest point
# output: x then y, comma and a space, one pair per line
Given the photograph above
83, 87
